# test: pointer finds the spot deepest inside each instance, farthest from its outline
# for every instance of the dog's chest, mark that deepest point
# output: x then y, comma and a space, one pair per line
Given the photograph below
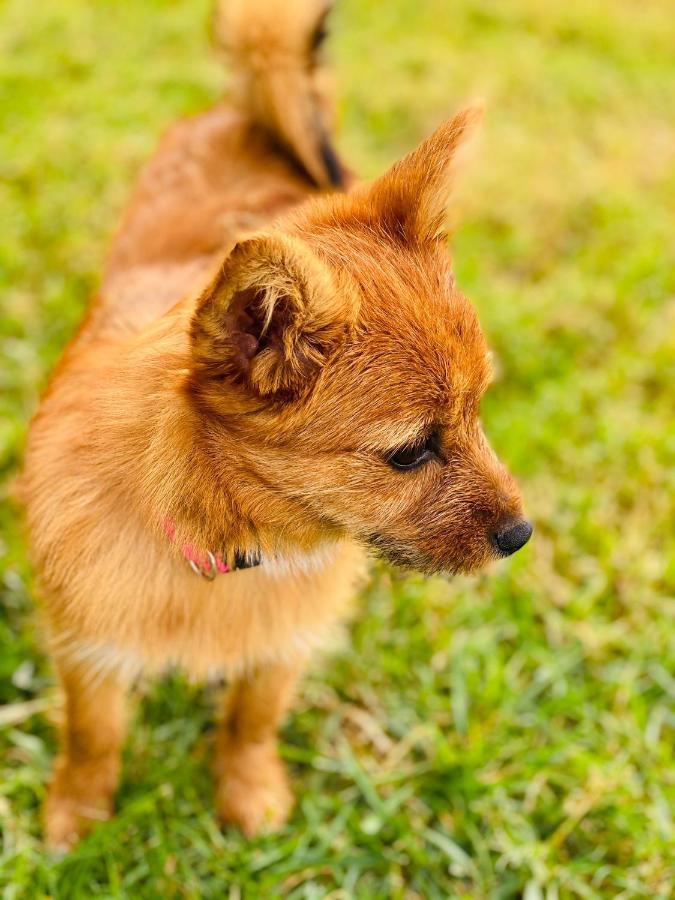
282, 609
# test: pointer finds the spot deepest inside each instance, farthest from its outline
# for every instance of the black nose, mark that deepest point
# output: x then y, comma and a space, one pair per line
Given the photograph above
512, 537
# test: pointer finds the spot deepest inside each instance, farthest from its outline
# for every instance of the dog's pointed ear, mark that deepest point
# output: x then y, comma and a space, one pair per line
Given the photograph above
412, 200
271, 318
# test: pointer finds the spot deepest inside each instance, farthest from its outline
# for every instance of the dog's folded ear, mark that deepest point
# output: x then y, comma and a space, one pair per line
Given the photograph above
271, 318
412, 200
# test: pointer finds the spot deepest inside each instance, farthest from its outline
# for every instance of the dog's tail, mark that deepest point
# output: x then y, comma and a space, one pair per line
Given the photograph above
274, 48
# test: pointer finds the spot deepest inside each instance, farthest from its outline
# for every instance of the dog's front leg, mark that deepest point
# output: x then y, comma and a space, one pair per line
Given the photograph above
86, 773
252, 785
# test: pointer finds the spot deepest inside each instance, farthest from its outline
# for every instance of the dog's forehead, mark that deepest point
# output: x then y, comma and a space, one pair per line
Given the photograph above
428, 343
414, 319
419, 364
406, 370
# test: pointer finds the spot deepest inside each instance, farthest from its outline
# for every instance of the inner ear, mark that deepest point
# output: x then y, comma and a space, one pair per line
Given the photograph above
245, 324
258, 329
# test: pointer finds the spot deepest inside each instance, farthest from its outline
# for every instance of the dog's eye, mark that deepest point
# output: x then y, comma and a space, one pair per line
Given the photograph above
406, 458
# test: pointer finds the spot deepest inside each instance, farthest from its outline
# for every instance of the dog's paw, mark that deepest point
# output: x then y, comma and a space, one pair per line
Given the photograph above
75, 803
252, 788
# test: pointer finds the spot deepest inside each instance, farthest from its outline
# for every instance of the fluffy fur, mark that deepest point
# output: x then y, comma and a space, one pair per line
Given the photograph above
257, 350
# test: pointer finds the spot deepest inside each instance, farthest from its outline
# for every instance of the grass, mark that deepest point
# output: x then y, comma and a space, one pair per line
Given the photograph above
503, 736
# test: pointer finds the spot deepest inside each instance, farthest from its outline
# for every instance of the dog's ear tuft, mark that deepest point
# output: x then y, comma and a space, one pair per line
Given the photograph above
412, 199
271, 318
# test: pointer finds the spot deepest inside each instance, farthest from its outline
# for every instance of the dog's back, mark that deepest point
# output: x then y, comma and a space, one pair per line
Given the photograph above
228, 171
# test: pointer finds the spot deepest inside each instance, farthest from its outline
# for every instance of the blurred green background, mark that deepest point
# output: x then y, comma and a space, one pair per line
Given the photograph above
508, 735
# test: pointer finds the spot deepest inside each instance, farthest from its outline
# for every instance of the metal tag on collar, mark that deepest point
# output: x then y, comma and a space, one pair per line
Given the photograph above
209, 573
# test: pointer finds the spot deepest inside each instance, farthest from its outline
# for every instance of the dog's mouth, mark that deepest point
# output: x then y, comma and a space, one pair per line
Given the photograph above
406, 557
403, 555
395, 552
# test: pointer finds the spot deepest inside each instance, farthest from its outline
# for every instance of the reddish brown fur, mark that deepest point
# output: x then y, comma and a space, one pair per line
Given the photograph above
251, 395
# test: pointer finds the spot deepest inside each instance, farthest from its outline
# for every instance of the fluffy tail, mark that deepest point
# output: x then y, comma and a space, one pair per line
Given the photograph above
274, 49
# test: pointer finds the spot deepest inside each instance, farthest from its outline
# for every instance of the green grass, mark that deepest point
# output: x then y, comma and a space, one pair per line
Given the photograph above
501, 736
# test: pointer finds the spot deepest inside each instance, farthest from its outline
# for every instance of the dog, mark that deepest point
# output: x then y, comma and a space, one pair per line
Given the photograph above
278, 375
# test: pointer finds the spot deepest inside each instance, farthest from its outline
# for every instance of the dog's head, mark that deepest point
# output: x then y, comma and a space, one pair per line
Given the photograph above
338, 352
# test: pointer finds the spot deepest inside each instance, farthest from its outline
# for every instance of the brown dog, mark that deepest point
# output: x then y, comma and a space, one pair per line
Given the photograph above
267, 384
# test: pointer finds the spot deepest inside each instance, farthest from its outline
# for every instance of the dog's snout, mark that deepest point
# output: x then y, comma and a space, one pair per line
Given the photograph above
512, 537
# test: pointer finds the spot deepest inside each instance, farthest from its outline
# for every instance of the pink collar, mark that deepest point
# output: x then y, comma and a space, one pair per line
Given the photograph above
208, 564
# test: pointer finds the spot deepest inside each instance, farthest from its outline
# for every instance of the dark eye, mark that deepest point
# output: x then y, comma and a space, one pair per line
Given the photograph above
406, 458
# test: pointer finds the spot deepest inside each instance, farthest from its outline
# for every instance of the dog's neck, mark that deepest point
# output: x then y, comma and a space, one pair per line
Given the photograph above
190, 471
208, 564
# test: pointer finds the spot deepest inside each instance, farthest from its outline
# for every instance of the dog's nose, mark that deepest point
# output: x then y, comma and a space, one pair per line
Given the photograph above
512, 537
